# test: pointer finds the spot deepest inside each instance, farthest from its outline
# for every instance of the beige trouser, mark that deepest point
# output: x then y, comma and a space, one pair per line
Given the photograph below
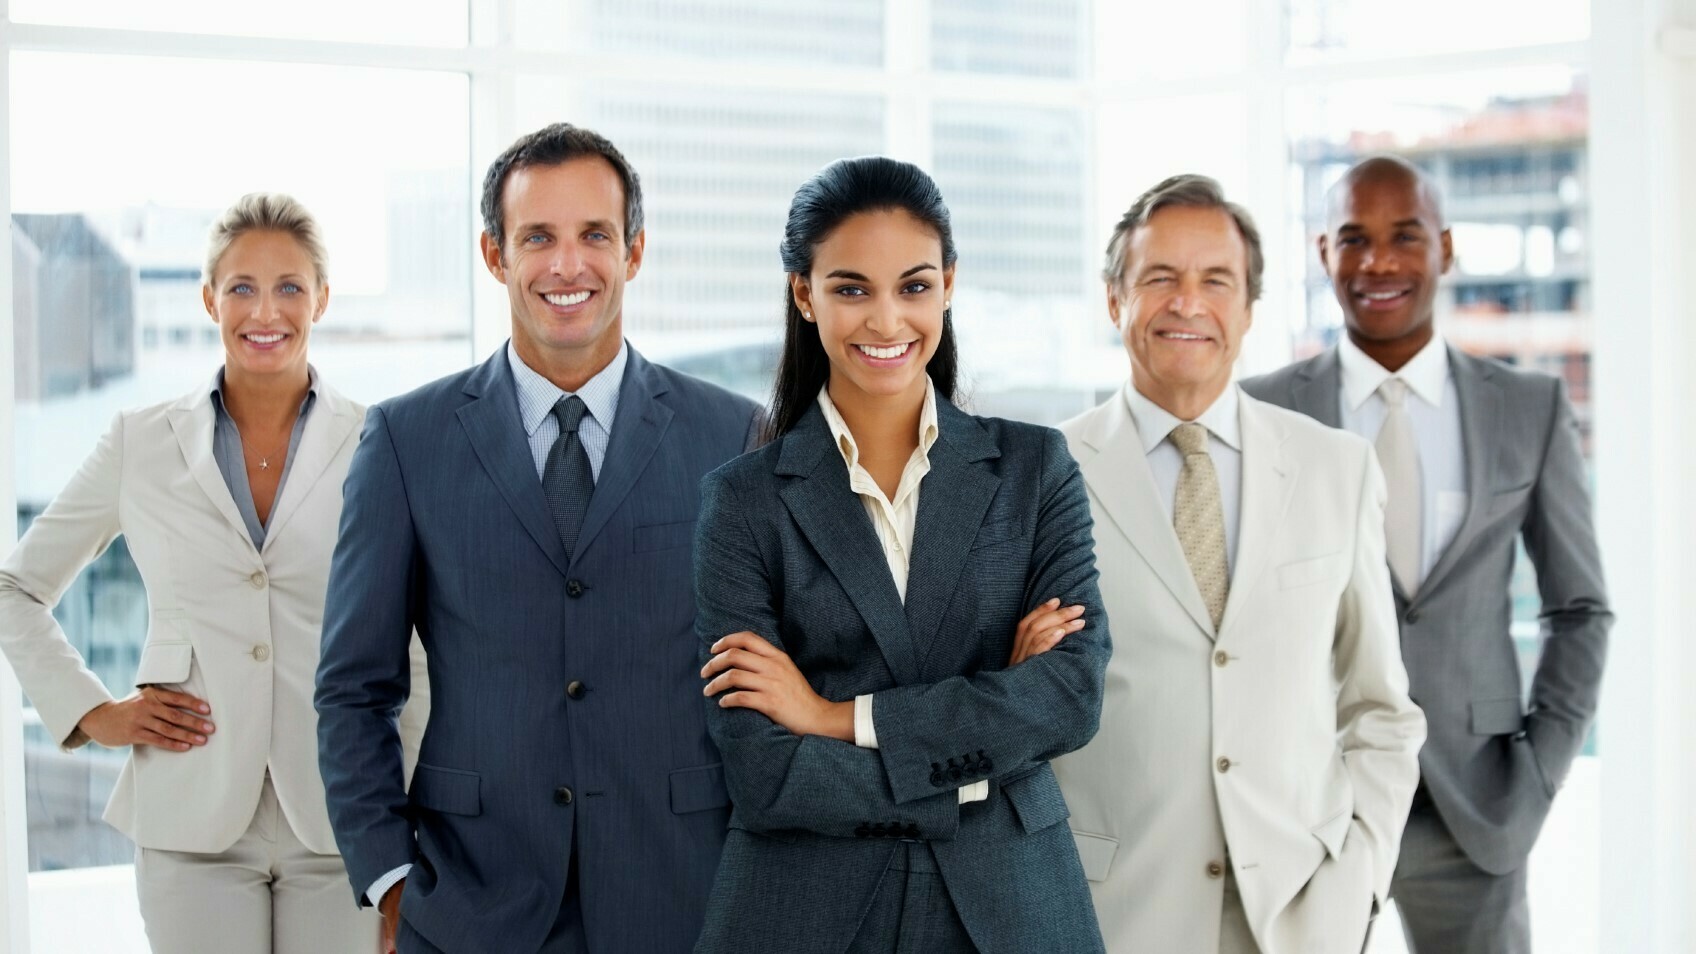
268, 894
1234, 935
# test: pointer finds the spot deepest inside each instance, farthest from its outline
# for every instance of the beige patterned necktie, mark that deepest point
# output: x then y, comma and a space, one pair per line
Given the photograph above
1398, 454
1199, 518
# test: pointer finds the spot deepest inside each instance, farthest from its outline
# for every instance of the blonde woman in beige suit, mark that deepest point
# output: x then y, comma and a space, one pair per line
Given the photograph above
229, 500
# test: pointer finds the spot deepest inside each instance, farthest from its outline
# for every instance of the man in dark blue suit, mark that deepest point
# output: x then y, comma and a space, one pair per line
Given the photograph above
532, 518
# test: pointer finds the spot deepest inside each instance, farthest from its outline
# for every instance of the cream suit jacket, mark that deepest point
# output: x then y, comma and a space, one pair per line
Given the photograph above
1284, 741
235, 626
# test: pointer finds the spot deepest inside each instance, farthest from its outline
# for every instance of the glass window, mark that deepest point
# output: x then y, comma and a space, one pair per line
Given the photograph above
1170, 41
1014, 180
799, 32
108, 244
1330, 30
412, 23
1029, 38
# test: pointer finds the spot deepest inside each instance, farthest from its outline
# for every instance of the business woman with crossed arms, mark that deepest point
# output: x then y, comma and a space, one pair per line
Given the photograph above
228, 499
899, 606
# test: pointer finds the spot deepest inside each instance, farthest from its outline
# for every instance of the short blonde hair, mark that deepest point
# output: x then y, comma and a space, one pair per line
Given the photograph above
266, 212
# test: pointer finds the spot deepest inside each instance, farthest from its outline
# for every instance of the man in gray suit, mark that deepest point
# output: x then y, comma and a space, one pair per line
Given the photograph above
1475, 455
532, 518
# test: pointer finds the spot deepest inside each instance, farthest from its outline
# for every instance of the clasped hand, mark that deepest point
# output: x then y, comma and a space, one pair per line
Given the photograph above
748, 672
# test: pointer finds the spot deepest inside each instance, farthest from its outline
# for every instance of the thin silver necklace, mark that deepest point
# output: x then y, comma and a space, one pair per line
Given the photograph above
264, 459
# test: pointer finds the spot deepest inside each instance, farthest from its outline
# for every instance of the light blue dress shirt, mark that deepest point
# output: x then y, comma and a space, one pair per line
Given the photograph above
1224, 444
536, 398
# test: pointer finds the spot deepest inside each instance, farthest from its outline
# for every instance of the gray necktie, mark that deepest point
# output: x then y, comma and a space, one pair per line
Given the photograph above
1398, 454
1198, 516
567, 480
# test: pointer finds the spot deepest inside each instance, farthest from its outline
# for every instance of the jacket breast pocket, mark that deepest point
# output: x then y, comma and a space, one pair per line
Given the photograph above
996, 531
451, 791
1036, 800
662, 536
1310, 571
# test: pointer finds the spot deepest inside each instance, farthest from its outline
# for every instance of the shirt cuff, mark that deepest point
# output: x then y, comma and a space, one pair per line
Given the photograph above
382, 885
865, 731
975, 792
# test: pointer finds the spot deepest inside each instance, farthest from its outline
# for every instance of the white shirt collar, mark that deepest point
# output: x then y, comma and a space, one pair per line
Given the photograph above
845, 439
1155, 423
537, 395
1426, 374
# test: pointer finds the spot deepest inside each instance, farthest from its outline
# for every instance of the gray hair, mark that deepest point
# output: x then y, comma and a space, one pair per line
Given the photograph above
266, 212
1187, 191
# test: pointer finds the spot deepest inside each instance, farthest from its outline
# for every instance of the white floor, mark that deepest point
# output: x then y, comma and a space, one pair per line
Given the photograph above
93, 910
1565, 875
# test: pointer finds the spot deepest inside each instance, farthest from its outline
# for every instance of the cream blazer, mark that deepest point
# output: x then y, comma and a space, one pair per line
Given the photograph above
1284, 741
236, 626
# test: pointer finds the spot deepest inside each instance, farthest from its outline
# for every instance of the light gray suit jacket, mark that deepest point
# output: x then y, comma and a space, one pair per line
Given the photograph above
1491, 764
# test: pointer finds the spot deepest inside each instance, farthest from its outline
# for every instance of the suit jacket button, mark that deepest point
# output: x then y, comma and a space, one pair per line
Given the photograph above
562, 796
261, 652
1220, 658
1224, 764
574, 588
1215, 869
257, 580
575, 690
862, 831
1412, 616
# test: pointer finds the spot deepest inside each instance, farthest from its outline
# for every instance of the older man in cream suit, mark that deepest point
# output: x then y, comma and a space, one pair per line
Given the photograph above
1258, 750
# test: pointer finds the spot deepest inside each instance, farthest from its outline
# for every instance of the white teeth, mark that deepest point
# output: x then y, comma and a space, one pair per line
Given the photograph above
1381, 296
565, 300
264, 339
893, 351
1182, 337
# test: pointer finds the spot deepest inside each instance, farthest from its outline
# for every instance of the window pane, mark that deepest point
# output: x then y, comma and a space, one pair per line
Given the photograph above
1170, 41
412, 23
1328, 30
1029, 38
803, 32
1014, 180
108, 243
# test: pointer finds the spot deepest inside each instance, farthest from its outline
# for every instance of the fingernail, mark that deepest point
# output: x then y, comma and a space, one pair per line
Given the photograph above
206, 727
1054, 602
200, 738
205, 709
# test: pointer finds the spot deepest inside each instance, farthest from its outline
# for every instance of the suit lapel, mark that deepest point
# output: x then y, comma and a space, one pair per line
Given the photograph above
1317, 390
952, 502
1269, 479
834, 521
328, 427
1123, 485
637, 430
192, 420
1480, 420
496, 432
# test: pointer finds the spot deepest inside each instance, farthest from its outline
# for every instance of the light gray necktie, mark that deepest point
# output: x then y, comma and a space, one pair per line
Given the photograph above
1398, 454
1198, 516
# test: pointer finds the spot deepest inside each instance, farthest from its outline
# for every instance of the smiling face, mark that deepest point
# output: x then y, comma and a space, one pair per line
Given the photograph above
1385, 248
877, 292
265, 296
1182, 306
564, 263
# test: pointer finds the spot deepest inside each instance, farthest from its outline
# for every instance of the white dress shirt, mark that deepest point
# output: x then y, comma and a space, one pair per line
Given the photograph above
1433, 406
536, 398
1224, 444
893, 519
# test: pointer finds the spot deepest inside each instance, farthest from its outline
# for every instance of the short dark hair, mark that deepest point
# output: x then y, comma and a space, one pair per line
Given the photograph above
845, 188
552, 146
1188, 191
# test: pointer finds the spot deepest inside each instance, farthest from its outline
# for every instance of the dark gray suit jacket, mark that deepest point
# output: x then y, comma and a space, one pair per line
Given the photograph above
1491, 765
785, 549
566, 704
